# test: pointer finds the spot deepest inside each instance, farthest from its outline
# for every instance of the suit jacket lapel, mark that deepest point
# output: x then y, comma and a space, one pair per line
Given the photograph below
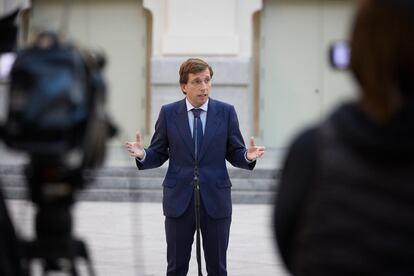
212, 123
181, 121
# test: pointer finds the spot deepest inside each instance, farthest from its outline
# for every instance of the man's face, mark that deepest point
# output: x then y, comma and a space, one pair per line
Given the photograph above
197, 88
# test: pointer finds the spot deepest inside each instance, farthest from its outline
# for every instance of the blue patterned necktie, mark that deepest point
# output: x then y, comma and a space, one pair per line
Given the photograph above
197, 130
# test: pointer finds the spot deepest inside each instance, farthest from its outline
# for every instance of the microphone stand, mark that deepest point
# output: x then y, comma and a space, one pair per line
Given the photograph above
196, 186
197, 217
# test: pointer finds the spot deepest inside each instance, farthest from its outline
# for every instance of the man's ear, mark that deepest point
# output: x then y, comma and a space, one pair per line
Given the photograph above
183, 87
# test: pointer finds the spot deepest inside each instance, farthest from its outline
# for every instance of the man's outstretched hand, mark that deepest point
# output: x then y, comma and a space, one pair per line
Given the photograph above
135, 149
254, 152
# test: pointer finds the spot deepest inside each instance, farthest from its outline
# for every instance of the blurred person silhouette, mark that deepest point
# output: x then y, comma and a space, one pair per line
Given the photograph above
55, 112
345, 204
10, 252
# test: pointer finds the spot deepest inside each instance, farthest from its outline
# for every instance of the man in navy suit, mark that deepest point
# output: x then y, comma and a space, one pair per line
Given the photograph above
201, 127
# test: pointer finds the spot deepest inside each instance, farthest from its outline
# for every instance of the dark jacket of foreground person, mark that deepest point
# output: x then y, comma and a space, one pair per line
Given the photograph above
346, 200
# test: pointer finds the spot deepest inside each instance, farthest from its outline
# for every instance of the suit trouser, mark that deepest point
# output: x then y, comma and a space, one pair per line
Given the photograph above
180, 236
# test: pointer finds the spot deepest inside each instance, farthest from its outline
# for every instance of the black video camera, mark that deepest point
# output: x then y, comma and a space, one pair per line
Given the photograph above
56, 103
56, 114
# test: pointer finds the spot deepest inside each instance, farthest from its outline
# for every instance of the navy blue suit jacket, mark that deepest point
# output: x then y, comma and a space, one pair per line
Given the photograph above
172, 140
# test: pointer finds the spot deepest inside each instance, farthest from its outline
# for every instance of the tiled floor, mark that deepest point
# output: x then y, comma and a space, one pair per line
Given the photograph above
128, 238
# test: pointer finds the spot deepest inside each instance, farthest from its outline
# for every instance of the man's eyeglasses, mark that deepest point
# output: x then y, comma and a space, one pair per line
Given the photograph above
199, 82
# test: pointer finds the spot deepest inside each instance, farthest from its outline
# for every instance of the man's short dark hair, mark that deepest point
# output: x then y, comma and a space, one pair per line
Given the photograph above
193, 66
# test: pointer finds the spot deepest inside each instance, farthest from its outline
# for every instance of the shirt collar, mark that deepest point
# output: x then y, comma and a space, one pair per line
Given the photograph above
204, 107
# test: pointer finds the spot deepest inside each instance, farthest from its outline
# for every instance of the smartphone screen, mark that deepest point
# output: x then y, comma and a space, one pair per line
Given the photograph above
340, 55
